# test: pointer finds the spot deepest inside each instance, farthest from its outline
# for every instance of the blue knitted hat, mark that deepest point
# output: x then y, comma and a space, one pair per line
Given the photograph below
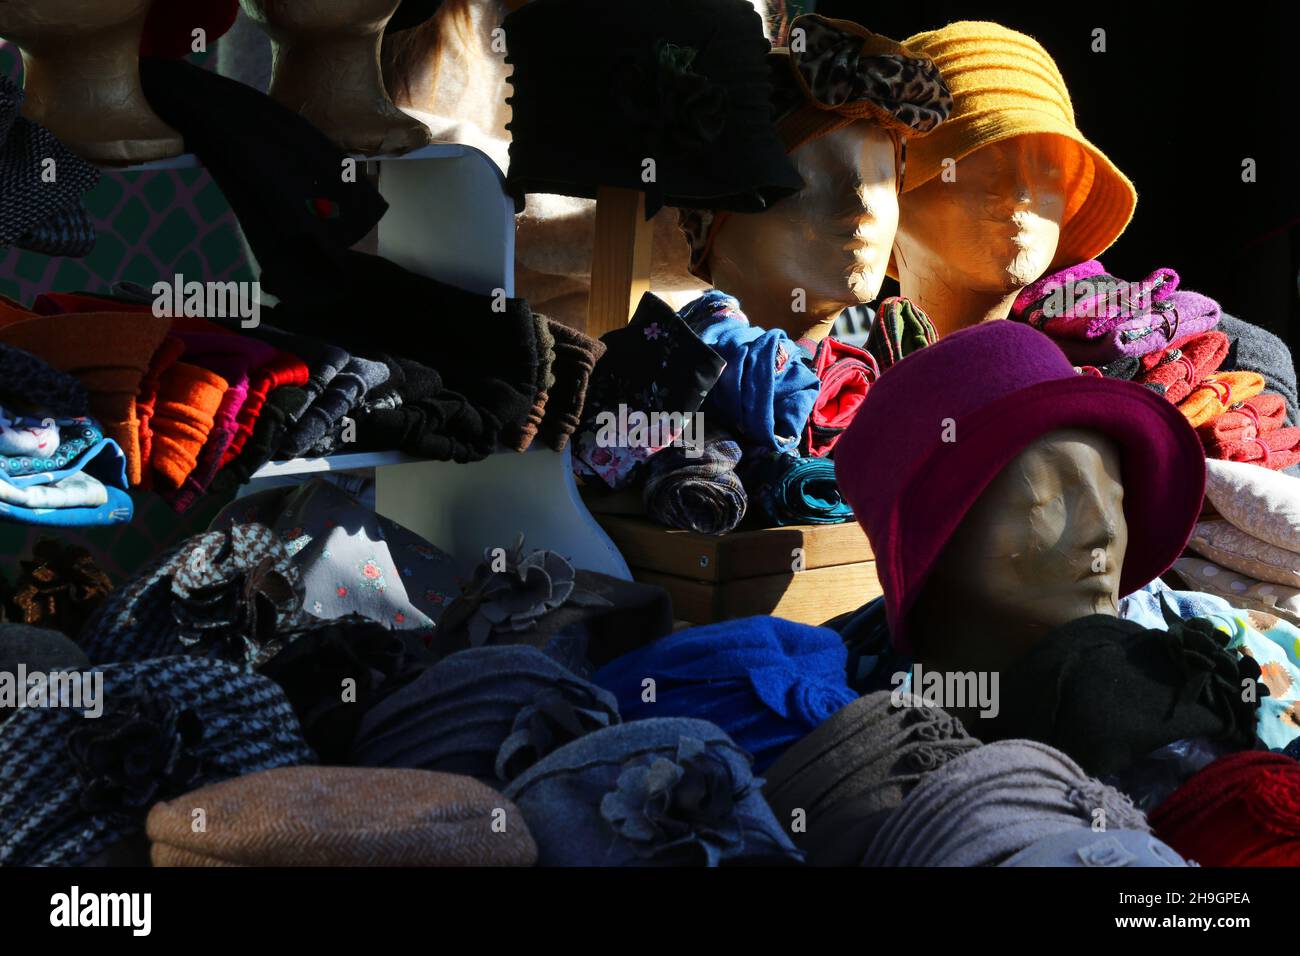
488, 713
765, 681
650, 793
77, 785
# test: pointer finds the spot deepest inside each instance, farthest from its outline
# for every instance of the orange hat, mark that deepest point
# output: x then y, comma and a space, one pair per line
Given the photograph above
188, 399
1004, 84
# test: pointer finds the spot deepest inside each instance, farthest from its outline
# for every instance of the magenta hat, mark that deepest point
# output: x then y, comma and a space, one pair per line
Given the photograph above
1004, 385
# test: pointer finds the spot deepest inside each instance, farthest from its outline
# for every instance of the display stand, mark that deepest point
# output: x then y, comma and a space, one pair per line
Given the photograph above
450, 218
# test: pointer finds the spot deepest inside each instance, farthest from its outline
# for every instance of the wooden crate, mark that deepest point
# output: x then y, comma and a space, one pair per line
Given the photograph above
808, 573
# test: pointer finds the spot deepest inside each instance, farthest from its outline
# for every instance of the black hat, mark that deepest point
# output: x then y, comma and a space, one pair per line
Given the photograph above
602, 88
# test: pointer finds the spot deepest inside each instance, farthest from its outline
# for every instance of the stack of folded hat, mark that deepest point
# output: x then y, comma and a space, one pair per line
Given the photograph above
1234, 382
715, 418
1250, 553
57, 467
190, 401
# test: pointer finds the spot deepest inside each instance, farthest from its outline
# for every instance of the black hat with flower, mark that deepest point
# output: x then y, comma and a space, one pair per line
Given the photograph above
601, 89
79, 781
656, 792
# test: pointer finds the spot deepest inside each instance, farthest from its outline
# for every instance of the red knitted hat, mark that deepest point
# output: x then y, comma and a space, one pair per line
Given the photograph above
1241, 810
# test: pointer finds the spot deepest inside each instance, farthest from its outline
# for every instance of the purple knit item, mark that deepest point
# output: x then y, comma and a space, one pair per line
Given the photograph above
1178, 316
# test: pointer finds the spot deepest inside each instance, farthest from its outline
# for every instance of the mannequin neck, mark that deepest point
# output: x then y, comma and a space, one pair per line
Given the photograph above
949, 303
769, 309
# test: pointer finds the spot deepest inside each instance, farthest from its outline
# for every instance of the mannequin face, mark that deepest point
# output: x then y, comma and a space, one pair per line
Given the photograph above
995, 229
1042, 546
831, 239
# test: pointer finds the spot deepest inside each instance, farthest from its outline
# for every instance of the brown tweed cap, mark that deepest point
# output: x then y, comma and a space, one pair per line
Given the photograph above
341, 816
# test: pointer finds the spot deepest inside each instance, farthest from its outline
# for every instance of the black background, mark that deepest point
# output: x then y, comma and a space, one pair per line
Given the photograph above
1180, 97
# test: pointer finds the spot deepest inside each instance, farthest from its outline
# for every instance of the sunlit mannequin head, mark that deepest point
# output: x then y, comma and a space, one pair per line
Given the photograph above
965, 248
832, 239
1043, 545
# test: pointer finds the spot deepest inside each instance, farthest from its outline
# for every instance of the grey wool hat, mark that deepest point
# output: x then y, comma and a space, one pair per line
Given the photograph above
487, 712
655, 792
859, 764
989, 804
79, 780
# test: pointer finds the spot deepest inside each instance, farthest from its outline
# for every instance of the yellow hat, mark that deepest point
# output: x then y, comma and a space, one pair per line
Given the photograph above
1004, 84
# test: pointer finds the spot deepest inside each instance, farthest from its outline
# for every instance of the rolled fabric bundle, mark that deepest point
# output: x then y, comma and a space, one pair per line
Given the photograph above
188, 399
765, 681
696, 493
1108, 691
341, 816
146, 398
1217, 393
520, 437
344, 392
901, 327
845, 372
657, 369
765, 394
576, 355
1125, 368
1096, 318
655, 792
489, 713
860, 764
1083, 302
1258, 350
1243, 421
993, 802
282, 369
1241, 810
1185, 364
1264, 503
785, 489
1276, 449
1224, 543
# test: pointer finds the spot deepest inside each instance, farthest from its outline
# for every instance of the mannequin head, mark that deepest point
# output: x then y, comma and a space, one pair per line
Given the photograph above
832, 239
1043, 545
987, 235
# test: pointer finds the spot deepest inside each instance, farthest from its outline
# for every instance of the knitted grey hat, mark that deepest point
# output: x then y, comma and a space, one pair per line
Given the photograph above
994, 801
1087, 847
76, 784
488, 713
864, 760
656, 792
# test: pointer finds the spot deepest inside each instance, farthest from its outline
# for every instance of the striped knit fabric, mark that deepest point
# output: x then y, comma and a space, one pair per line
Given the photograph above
247, 725
341, 816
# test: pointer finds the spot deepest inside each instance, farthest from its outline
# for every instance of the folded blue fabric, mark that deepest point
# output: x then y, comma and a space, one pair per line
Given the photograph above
766, 393
784, 488
103, 459
650, 793
76, 435
117, 510
767, 682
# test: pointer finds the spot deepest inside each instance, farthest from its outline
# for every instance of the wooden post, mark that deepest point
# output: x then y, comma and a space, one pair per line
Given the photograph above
620, 259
